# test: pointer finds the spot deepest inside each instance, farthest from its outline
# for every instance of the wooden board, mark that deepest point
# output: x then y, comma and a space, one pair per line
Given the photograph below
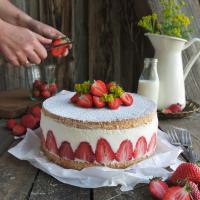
15, 103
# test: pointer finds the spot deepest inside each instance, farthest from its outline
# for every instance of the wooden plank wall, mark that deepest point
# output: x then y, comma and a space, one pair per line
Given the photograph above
107, 42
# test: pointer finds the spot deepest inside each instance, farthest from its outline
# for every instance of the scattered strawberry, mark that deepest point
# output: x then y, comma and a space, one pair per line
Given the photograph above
166, 111
46, 94
158, 188
28, 121
177, 193
51, 143
110, 85
11, 123
152, 144
115, 103
195, 192
36, 111
85, 101
98, 88
66, 152
126, 99
85, 152
124, 152
186, 171
98, 102
43, 87
140, 148
36, 84
53, 88
18, 130
75, 97
104, 153
36, 93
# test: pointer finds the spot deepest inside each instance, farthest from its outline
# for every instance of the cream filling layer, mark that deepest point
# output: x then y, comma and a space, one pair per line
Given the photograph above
76, 135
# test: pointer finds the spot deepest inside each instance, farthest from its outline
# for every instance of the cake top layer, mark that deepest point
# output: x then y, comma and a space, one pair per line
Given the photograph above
60, 105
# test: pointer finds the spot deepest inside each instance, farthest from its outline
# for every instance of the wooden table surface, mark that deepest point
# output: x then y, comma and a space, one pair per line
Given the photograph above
19, 180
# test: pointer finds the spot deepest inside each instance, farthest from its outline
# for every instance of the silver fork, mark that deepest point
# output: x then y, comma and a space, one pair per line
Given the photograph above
182, 137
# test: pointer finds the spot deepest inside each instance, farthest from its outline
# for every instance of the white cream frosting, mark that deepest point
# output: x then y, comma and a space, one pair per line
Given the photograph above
60, 105
114, 137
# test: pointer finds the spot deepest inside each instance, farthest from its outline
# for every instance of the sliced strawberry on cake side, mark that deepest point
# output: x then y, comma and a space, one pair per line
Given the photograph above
125, 151
65, 151
51, 144
98, 102
98, 88
85, 101
127, 99
152, 144
85, 152
140, 148
104, 153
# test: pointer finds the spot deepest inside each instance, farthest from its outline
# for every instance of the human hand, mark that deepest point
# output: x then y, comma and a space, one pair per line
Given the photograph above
21, 46
46, 31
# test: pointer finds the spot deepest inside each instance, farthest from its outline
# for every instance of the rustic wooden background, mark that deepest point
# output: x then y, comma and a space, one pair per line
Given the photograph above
107, 42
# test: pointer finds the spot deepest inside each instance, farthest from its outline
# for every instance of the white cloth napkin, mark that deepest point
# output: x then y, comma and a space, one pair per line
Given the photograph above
94, 177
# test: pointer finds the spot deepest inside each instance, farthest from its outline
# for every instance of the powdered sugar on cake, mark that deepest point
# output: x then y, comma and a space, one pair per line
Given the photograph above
60, 105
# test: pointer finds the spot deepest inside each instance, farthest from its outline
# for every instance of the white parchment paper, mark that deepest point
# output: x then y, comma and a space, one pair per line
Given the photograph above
93, 177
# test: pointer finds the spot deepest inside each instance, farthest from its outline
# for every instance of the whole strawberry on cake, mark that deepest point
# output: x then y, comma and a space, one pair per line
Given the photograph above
98, 125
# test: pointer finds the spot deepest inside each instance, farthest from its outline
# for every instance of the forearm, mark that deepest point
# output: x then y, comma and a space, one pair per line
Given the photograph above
13, 15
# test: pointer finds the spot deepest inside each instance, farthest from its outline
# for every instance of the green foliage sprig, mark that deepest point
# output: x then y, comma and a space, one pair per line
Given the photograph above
173, 21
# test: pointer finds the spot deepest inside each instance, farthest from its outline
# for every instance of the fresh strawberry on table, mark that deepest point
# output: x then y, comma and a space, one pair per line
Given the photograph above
46, 94
28, 121
98, 88
36, 111
18, 130
11, 123
174, 108
177, 193
195, 192
52, 88
186, 171
158, 188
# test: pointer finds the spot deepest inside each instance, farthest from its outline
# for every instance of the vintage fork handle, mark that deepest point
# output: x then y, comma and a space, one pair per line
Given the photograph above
189, 154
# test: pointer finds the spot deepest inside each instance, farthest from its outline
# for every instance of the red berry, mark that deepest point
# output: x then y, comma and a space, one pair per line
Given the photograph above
36, 111
158, 188
125, 151
66, 152
195, 192
36, 93
140, 148
36, 84
166, 111
53, 88
110, 85
11, 123
98, 88
115, 104
75, 97
85, 101
152, 144
46, 94
85, 152
177, 193
28, 121
51, 143
18, 130
43, 87
126, 99
98, 102
104, 153
186, 171
175, 108
59, 51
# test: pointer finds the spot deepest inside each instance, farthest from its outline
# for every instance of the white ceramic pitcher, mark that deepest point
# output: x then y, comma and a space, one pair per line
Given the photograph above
168, 51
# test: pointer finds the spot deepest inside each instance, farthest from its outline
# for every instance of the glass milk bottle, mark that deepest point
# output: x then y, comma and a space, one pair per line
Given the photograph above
148, 85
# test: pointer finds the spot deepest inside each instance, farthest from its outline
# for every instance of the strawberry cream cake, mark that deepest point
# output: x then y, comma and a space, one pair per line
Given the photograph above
77, 133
